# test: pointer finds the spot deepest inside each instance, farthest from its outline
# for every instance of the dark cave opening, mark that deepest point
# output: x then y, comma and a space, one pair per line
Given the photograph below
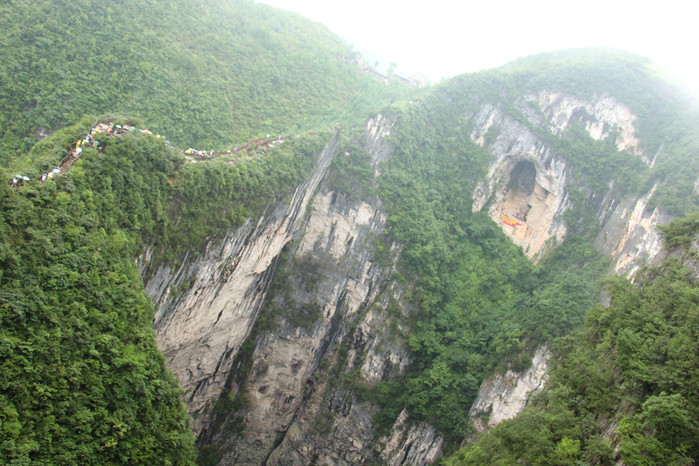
523, 177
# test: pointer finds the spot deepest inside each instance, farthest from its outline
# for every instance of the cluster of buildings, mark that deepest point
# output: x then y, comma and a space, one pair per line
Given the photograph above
112, 129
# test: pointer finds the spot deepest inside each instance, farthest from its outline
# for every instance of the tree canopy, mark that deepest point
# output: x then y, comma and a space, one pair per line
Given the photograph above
224, 72
622, 387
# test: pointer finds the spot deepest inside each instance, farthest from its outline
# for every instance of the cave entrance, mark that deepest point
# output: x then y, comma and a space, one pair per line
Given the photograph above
519, 189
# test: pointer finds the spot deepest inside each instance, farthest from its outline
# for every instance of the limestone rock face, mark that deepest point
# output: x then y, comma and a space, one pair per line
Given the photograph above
600, 118
411, 444
201, 330
628, 234
296, 411
334, 251
301, 410
526, 189
501, 397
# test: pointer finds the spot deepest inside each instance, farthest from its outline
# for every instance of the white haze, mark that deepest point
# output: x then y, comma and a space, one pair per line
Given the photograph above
441, 38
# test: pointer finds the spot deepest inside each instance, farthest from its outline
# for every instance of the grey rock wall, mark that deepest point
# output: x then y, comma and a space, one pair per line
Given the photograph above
303, 408
627, 229
503, 396
200, 330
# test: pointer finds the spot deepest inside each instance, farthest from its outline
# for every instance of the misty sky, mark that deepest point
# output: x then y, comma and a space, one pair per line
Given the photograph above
441, 38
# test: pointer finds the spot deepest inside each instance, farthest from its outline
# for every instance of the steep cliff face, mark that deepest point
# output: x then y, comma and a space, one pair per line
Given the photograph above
526, 190
628, 233
201, 329
601, 118
329, 276
525, 185
326, 325
330, 330
503, 396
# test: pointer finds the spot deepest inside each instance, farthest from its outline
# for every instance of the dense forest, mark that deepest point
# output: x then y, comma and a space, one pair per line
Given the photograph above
219, 76
81, 378
624, 385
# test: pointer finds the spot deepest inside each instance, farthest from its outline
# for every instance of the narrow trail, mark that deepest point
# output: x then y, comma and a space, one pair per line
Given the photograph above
255, 143
76, 149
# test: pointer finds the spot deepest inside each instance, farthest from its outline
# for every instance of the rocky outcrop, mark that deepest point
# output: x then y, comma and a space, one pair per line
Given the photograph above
330, 278
628, 233
525, 188
302, 407
410, 443
601, 118
501, 397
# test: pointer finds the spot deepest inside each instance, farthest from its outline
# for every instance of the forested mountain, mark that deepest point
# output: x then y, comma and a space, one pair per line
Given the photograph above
201, 72
82, 379
368, 284
623, 385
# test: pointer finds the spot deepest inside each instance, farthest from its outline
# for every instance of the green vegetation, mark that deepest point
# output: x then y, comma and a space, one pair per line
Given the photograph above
479, 304
601, 165
632, 365
82, 379
351, 173
186, 203
681, 232
222, 73
208, 198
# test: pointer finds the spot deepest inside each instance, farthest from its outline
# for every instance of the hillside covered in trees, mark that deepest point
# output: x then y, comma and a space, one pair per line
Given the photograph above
623, 385
205, 72
81, 377
480, 305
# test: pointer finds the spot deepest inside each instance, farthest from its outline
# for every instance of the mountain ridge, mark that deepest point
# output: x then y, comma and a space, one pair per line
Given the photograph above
354, 287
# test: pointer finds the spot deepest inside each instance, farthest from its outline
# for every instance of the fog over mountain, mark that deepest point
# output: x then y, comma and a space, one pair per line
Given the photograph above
442, 39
